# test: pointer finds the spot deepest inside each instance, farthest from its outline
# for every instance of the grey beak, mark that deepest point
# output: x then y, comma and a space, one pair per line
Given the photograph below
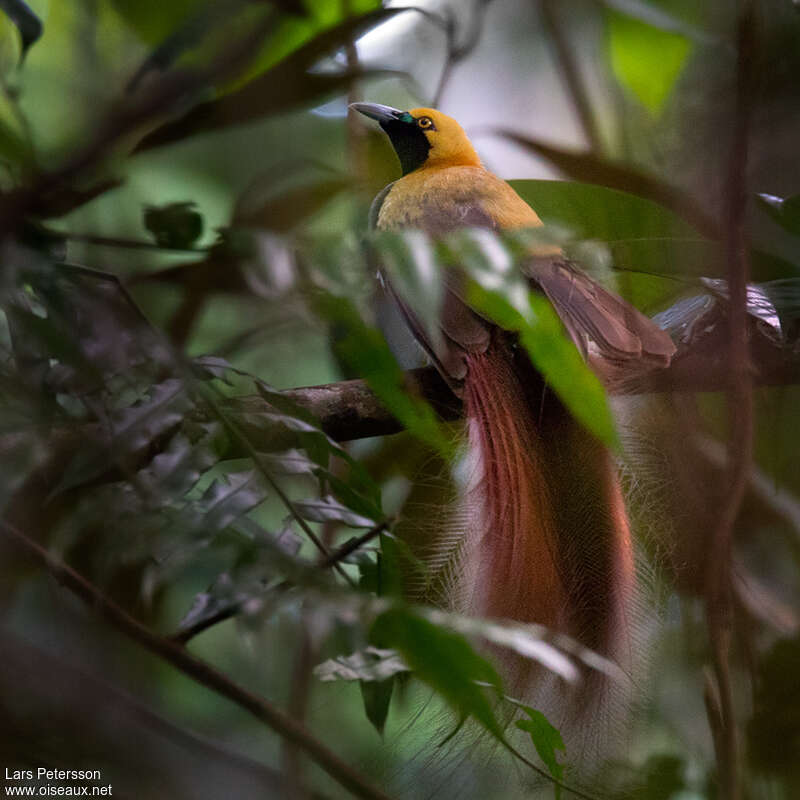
381, 113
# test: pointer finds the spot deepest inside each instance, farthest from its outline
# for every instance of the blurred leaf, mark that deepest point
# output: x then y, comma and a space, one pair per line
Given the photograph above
364, 349
529, 641
646, 60
220, 597
298, 429
371, 664
784, 210
25, 20
290, 462
180, 465
643, 235
190, 25
392, 558
10, 44
546, 739
359, 496
129, 431
328, 509
175, 225
773, 732
444, 660
409, 260
154, 20
14, 149
229, 498
552, 353
590, 169
377, 696
655, 16
282, 211
289, 84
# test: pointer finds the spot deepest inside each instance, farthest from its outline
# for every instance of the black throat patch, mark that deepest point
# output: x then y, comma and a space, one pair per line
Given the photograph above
409, 142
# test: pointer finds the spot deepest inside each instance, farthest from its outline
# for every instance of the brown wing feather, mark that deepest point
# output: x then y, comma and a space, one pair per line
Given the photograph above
592, 314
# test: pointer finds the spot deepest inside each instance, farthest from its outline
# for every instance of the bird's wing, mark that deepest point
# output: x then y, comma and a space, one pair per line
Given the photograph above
604, 326
462, 331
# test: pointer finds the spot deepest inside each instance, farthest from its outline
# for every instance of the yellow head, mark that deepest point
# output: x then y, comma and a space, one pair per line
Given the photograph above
423, 137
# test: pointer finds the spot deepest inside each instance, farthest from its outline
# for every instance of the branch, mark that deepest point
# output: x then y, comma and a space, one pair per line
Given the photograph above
718, 588
196, 669
572, 77
350, 410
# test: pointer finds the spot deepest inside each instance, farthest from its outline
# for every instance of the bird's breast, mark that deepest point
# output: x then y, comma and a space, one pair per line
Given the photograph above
445, 199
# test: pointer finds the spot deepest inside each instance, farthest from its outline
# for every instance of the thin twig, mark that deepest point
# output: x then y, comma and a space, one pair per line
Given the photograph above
455, 52
350, 547
127, 244
572, 76
740, 443
196, 669
303, 665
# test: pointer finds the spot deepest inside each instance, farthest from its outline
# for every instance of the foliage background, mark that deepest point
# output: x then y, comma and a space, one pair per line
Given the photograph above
119, 454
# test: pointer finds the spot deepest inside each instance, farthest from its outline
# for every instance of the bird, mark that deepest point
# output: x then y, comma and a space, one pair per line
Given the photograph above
548, 539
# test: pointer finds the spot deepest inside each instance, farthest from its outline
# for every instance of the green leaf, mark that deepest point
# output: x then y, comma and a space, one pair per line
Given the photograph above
10, 44
552, 353
372, 664
444, 660
128, 431
154, 20
288, 84
784, 210
175, 225
327, 509
645, 59
645, 239
228, 499
546, 739
409, 260
26, 21
592, 169
364, 349
377, 696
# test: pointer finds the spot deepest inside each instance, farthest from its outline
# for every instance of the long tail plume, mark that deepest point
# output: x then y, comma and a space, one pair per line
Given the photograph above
549, 541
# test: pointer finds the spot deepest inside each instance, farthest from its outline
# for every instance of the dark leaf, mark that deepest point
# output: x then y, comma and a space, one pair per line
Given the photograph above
130, 430
327, 509
28, 24
444, 660
282, 211
784, 210
229, 498
287, 85
773, 732
377, 696
176, 225
546, 739
646, 60
589, 168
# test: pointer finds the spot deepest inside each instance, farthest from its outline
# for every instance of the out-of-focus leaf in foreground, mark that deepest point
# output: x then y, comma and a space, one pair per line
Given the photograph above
646, 60
444, 660
546, 739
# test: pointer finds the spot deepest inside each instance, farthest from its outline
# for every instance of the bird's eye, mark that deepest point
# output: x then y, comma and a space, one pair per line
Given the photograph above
425, 122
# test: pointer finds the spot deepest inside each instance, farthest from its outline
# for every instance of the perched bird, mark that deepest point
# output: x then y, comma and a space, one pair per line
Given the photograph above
548, 540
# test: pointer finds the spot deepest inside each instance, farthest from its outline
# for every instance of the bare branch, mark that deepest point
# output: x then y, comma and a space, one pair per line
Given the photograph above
196, 669
349, 410
718, 588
